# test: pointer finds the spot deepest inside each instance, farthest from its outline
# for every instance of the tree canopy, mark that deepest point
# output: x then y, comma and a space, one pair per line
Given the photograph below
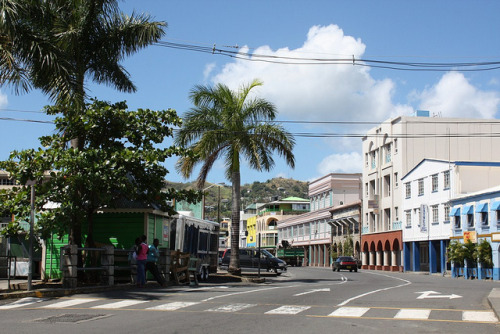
121, 160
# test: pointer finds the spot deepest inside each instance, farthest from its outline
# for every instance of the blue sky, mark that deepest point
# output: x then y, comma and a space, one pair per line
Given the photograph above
423, 31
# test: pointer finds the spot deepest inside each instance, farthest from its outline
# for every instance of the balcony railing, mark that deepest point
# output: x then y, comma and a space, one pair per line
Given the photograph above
269, 212
397, 225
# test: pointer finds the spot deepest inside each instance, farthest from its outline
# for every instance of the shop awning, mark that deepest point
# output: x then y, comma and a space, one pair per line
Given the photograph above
495, 206
482, 207
467, 210
455, 212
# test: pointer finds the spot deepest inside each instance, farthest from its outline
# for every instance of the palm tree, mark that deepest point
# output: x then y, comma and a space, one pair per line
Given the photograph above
233, 126
57, 45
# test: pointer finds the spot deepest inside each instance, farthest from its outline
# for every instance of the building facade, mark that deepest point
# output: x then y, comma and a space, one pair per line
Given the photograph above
429, 188
476, 216
270, 214
390, 151
312, 231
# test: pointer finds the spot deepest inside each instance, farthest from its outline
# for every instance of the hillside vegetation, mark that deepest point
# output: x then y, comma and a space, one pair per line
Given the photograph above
256, 192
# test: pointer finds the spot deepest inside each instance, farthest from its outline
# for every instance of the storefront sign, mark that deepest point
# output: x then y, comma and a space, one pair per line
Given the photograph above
165, 232
470, 235
495, 237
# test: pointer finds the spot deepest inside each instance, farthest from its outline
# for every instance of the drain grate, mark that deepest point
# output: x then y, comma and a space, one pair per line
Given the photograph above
72, 318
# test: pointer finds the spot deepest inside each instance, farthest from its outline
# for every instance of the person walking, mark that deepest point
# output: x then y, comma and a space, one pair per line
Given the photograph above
142, 255
153, 256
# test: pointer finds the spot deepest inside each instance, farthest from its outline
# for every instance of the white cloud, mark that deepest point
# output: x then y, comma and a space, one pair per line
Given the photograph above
317, 92
341, 163
454, 96
3, 100
207, 71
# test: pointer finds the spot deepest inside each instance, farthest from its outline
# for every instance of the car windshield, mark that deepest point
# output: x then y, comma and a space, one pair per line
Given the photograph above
346, 259
266, 253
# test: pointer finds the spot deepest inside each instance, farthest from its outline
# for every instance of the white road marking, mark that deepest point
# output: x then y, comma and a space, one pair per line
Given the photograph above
434, 294
248, 291
378, 290
172, 306
409, 313
288, 309
70, 302
312, 291
354, 312
231, 308
483, 316
120, 304
22, 302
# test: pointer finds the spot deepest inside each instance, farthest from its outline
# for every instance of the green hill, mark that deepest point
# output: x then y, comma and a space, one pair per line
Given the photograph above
256, 192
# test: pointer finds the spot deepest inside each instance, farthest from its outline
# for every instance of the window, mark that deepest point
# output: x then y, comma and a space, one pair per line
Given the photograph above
387, 185
498, 216
395, 146
446, 212
408, 218
435, 214
366, 187
408, 189
484, 218
395, 180
366, 159
470, 220
446, 175
434, 183
457, 222
420, 187
417, 214
372, 156
396, 213
388, 153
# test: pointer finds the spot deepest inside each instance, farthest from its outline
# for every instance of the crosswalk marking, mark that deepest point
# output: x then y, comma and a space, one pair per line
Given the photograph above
288, 309
120, 304
477, 316
485, 316
172, 306
22, 302
413, 314
349, 312
231, 308
70, 302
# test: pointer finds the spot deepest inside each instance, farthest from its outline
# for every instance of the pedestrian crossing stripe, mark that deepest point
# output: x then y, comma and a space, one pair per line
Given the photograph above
172, 306
22, 302
344, 311
288, 309
121, 304
231, 308
70, 303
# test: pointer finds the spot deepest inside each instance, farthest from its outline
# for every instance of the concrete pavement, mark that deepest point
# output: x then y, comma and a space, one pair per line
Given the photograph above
18, 288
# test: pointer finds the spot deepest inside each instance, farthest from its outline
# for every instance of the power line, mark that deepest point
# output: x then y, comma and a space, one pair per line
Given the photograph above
348, 60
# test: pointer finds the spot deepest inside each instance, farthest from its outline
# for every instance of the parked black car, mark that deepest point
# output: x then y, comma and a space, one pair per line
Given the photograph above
249, 260
345, 262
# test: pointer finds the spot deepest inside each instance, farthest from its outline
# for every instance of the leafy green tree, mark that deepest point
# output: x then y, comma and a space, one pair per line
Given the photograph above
57, 45
120, 160
483, 253
230, 125
348, 246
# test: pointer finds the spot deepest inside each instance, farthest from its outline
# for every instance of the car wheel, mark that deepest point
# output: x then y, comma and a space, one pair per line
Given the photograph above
356, 270
350, 270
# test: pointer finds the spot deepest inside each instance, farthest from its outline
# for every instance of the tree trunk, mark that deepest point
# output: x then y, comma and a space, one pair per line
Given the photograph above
234, 262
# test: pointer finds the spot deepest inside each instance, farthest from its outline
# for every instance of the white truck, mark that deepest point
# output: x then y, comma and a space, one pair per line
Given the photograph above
200, 238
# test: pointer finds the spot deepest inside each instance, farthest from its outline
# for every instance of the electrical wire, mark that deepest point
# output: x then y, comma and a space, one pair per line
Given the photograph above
366, 62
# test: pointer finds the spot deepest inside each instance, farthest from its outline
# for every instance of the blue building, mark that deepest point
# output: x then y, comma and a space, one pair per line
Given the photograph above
476, 216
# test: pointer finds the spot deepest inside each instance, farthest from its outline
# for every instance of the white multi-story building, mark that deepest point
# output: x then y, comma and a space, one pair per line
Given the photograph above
428, 189
390, 151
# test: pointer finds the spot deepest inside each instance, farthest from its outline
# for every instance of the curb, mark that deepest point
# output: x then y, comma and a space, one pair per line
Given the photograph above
494, 301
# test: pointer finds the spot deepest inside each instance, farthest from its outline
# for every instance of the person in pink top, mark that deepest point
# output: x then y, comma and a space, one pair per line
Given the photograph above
142, 255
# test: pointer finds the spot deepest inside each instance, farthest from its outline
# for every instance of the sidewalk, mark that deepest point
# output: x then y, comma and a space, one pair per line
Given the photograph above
19, 287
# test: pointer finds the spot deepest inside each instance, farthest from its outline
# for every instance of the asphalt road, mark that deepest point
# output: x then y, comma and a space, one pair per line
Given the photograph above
304, 300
